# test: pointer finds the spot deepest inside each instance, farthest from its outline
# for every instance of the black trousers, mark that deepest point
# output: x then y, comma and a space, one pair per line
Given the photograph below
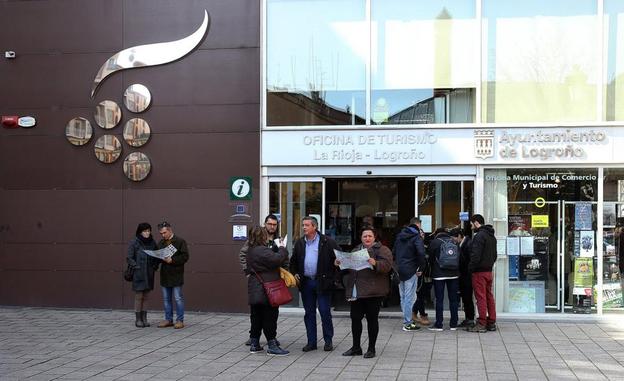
422, 295
369, 308
264, 318
465, 290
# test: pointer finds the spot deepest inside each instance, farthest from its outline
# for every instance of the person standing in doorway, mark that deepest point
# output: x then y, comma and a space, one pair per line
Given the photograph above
312, 264
172, 276
270, 225
144, 267
409, 256
482, 258
465, 278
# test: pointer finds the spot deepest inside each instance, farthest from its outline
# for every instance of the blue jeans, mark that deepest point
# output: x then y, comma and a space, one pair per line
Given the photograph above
407, 291
176, 292
451, 288
310, 297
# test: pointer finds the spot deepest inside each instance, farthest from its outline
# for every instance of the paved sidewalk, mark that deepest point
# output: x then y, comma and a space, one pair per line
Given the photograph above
50, 344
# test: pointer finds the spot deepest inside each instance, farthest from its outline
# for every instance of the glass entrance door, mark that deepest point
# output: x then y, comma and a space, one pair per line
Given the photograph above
439, 202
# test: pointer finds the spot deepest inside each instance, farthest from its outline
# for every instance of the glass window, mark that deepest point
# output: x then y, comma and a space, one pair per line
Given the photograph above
541, 60
613, 239
614, 34
316, 62
424, 61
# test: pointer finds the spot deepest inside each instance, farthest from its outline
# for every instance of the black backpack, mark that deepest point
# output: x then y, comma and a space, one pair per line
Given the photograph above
449, 255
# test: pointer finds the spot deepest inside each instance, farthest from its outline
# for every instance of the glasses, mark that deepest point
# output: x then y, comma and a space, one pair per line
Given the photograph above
164, 224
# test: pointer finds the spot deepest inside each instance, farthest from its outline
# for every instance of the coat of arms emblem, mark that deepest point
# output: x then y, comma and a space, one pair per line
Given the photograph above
484, 143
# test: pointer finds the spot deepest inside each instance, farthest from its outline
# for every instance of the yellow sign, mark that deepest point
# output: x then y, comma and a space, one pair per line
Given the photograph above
540, 202
539, 221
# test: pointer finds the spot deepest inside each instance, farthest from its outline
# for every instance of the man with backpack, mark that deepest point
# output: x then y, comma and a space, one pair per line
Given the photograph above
482, 258
444, 257
409, 257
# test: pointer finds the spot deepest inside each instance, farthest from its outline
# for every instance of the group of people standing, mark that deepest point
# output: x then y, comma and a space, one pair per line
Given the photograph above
453, 261
171, 273
316, 269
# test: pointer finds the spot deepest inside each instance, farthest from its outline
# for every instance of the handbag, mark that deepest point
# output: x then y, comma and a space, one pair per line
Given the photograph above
276, 291
394, 276
128, 274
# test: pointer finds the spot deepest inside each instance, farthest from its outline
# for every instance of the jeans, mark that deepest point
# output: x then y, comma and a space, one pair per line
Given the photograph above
310, 297
482, 286
176, 292
451, 289
264, 318
407, 292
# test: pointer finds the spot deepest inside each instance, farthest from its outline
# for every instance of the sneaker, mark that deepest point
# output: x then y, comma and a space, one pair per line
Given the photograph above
453, 328
165, 324
491, 327
424, 320
409, 327
477, 328
435, 328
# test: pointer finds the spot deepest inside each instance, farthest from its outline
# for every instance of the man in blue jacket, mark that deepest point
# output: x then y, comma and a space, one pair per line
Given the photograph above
409, 256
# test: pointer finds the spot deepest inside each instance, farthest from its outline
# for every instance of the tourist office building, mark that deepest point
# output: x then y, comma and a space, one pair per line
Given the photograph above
379, 110
349, 110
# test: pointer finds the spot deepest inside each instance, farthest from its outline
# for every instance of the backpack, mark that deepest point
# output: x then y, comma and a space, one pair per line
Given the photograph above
449, 255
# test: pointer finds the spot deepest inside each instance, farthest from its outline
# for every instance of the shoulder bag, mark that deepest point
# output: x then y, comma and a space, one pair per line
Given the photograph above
276, 291
128, 274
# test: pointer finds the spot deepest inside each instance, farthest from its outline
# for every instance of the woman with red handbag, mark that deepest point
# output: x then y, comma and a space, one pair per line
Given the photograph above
264, 264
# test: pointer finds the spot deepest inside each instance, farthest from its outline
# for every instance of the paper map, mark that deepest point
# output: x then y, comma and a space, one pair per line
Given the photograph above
357, 260
162, 253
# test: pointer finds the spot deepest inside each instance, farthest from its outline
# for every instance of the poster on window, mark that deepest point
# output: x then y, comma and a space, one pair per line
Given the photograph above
514, 261
586, 243
513, 246
583, 276
608, 215
534, 267
583, 216
519, 224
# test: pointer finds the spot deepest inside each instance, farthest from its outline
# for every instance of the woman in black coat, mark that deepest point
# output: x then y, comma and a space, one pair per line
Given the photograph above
264, 265
144, 267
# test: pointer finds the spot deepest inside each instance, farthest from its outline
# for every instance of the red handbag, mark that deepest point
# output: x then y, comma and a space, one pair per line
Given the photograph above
276, 291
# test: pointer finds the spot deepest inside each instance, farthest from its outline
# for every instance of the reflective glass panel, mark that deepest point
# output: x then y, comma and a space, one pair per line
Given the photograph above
137, 98
424, 61
78, 131
137, 166
316, 55
542, 60
107, 148
614, 35
136, 132
613, 240
107, 114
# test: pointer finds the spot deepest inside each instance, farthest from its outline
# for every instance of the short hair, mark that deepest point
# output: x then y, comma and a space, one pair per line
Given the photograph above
164, 224
439, 230
477, 218
368, 228
257, 236
456, 232
312, 219
414, 220
270, 217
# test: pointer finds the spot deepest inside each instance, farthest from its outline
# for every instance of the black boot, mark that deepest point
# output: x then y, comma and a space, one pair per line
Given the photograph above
254, 345
275, 350
138, 323
144, 319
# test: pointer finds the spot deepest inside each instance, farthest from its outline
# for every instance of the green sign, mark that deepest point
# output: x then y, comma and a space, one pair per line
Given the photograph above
583, 273
240, 188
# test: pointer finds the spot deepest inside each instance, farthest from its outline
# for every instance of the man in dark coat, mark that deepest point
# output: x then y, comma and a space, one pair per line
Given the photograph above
312, 264
409, 253
172, 276
482, 258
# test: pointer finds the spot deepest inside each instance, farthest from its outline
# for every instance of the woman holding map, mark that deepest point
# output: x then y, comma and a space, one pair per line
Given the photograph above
144, 267
365, 290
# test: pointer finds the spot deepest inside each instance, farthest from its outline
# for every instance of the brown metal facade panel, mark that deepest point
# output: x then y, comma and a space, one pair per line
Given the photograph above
66, 218
98, 289
197, 215
61, 26
221, 76
233, 23
54, 81
63, 257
